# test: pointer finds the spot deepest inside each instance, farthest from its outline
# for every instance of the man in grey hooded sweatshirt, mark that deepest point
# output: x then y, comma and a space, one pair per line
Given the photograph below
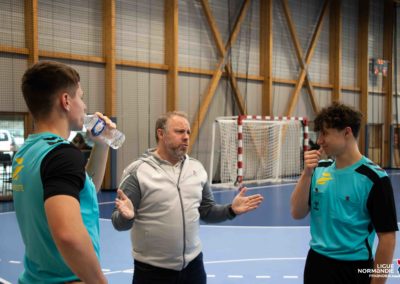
161, 198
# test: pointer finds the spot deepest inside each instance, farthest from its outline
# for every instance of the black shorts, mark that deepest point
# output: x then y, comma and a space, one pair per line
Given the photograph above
322, 269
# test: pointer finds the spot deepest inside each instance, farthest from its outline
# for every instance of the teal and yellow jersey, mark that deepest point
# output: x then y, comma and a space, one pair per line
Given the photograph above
48, 165
347, 207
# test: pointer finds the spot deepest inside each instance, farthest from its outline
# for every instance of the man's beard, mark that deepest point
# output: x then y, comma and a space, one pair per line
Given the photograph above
178, 152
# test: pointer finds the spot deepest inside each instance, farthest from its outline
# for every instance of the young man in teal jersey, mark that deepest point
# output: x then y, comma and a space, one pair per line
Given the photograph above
349, 201
54, 195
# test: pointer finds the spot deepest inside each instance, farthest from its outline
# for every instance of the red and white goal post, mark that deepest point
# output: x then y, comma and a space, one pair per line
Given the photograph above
256, 149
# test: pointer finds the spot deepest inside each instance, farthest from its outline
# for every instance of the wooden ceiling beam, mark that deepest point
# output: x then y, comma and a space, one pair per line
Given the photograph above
335, 49
363, 65
299, 55
31, 30
266, 56
310, 52
171, 52
109, 78
213, 84
222, 52
388, 29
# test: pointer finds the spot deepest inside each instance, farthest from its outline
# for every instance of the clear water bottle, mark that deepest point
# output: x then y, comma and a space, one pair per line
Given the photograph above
113, 137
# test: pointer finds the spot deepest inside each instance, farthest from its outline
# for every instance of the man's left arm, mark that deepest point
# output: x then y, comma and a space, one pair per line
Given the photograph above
382, 209
96, 165
97, 162
213, 213
384, 254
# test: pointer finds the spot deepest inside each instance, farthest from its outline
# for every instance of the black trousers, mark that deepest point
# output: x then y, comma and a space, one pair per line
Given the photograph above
322, 269
194, 273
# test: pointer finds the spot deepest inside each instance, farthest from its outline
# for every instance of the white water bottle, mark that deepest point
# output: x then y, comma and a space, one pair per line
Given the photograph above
113, 137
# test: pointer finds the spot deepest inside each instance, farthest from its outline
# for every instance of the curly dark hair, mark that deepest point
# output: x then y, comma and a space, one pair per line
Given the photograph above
338, 116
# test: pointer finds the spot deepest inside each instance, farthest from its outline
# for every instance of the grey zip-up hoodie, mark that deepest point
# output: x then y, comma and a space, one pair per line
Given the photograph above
165, 230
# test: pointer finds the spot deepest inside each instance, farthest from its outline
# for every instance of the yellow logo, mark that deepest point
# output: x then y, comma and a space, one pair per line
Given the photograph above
324, 179
17, 169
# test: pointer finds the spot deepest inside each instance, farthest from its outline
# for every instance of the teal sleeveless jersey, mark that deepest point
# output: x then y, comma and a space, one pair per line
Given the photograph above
341, 226
42, 261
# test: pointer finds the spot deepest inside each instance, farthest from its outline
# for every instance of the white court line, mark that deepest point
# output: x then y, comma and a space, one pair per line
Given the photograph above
105, 270
4, 281
222, 190
105, 203
254, 259
8, 212
290, 277
14, 262
263, 277
235, 276
219, 262
105, 219
130, 271
113, 272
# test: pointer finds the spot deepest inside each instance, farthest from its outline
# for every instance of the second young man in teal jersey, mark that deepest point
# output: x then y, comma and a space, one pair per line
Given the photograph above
350, 200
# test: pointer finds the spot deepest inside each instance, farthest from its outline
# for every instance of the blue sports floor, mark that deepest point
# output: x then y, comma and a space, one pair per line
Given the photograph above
264, 246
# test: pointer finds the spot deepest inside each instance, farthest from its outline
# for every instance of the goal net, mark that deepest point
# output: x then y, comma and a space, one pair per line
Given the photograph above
258, 149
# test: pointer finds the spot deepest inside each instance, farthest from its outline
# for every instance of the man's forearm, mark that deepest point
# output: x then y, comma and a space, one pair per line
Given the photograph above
299, 200
119, 222
81, 258
97, 164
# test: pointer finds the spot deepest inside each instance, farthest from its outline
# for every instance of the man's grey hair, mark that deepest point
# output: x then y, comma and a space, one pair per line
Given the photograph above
162, 121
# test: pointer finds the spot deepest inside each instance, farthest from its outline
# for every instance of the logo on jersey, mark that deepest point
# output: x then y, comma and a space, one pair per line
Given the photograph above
324, 179
16, 186
18, 168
